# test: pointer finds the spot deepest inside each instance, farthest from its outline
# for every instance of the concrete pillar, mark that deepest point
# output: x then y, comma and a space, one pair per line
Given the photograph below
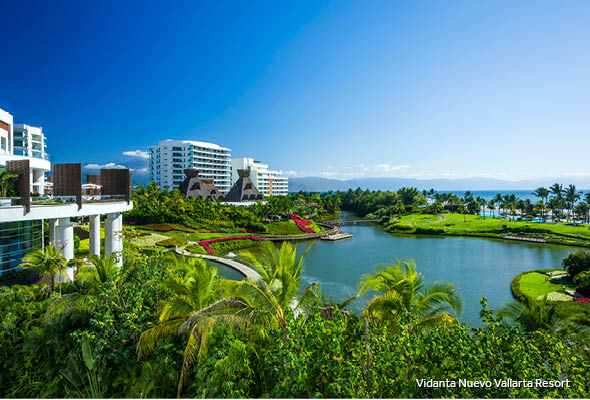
64, 241
113, 238
52, 228
94, 227
38, 177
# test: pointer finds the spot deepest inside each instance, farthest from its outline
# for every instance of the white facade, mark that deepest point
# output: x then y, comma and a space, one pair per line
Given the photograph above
29, 141
170, 157
24, 142
6, 126
268, 182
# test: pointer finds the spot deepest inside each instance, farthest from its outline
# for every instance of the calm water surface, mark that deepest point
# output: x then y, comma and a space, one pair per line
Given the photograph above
478, 267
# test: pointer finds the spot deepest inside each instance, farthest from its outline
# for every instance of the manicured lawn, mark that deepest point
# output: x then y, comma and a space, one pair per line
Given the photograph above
149, 241
193, 237
283, 228
475, 225
534, 285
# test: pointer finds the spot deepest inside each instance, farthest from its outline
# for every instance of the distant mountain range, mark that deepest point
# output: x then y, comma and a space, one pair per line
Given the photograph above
317, 184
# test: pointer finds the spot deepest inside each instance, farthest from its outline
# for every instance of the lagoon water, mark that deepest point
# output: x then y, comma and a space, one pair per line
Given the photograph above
478, 267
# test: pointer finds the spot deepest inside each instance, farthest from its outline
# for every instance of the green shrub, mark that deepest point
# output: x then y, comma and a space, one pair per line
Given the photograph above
171, 227
398, 227
196, 248
76, 242
583, 279
171, 242
429, 231
577, 262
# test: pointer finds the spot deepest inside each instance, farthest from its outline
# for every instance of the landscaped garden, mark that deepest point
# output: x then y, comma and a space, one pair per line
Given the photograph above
565, 289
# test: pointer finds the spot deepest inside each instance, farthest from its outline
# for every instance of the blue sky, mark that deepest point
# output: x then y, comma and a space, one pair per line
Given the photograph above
339, 89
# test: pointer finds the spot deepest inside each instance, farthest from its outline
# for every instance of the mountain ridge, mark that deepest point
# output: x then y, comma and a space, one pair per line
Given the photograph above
319, 184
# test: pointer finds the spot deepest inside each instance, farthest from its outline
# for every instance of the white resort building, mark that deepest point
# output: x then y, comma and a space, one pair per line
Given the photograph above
24, 142
268, 182
170, 158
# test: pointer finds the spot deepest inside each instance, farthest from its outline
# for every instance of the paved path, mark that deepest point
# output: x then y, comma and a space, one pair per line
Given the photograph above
241, 268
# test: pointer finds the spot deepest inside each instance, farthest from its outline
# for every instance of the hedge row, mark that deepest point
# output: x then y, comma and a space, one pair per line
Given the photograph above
171, 242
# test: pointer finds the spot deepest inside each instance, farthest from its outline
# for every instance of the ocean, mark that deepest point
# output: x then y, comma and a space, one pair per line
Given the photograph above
490, 194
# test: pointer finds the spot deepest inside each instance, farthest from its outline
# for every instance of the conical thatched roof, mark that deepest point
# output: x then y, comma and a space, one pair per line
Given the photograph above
243, 189
198, 188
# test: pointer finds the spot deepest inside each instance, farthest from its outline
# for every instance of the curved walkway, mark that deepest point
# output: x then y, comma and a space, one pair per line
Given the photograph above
241, 268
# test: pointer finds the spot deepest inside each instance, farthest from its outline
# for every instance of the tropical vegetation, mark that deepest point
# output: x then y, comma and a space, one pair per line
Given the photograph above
164, 325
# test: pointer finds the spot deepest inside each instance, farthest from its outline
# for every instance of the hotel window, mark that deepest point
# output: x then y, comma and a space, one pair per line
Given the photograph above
3, 143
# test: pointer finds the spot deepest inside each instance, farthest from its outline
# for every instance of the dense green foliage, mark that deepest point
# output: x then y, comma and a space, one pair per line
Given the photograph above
577, 262
583, 279
171, 243
243, 339
152, 205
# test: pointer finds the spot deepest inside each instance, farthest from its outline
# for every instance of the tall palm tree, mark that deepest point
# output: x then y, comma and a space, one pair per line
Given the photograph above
258, 304
498, 201
194, 286
482, 203
492, 205
542, 193
557, 190
571, 196
47, 262
402, 290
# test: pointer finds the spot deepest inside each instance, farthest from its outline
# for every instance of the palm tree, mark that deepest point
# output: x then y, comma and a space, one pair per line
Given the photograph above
542, 193
47, 262
571, 196
258, 304
403, 291
530, 315
498, 201
6, 180
492, 205
482, 203
557, 190
280, 266
89, 280
194, 286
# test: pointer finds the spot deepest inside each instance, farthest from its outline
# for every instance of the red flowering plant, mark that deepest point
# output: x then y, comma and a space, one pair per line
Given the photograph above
302, 224
583, 300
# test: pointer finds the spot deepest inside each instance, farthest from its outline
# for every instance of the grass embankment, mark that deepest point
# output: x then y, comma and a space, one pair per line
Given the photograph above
221, 248
534, 285
289, 227
474, 225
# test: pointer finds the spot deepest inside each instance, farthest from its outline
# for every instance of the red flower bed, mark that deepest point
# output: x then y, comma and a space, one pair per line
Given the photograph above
302, 224
206, 243
583, 300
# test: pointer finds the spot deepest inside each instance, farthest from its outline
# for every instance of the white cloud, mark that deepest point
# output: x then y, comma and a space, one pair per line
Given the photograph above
384, 167
105, 166
137, 153
290, 173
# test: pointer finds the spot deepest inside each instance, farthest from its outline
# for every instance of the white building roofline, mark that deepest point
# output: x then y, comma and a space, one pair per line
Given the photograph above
192, 142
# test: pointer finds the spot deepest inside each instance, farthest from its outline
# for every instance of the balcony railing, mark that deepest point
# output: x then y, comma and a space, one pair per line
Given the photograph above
61, 200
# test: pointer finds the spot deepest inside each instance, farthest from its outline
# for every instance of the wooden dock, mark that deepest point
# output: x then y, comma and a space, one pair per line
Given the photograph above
535, 239
337, 236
